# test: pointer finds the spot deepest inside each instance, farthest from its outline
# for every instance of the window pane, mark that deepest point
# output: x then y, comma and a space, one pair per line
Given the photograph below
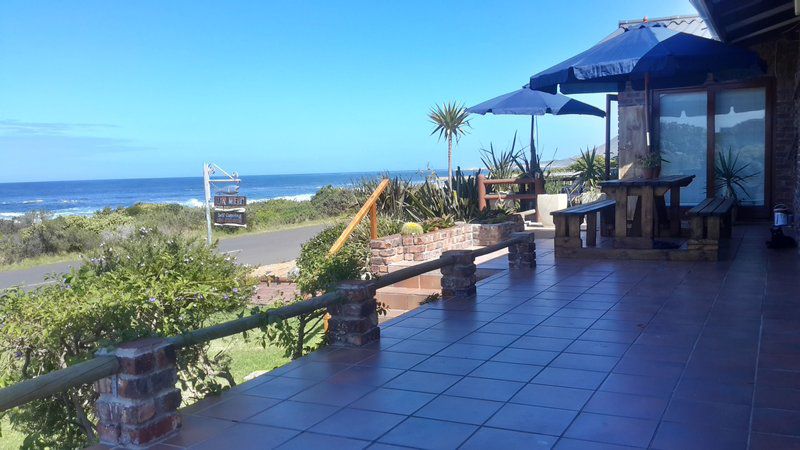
739, 139
683, 139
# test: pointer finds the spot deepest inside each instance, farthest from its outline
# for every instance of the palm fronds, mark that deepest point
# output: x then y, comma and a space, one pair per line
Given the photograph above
450, 120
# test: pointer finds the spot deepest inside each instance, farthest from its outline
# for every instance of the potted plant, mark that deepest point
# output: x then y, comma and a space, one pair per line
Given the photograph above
651, 165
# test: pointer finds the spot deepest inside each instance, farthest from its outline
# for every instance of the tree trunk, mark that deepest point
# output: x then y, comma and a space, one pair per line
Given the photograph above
450, 162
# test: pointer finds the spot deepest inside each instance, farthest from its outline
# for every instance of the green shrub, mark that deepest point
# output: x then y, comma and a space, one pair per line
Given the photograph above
411, 228
278, 212
147, 285
331, 201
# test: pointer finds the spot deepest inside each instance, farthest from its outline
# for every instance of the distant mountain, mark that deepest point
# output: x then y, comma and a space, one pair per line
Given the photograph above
601, 150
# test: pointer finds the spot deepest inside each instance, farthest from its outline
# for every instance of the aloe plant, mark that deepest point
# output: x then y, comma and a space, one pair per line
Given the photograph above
729, 174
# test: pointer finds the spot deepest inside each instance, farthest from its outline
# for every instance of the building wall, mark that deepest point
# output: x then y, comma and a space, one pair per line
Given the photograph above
781, 55
783, 63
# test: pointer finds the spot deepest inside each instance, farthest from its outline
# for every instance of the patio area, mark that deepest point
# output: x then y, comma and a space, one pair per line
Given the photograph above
576, 354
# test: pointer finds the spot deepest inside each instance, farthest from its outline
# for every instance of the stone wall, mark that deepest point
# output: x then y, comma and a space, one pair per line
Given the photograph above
631, 131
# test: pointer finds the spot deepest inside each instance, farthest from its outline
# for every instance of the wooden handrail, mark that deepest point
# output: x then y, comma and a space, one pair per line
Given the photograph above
370, 206
102, 366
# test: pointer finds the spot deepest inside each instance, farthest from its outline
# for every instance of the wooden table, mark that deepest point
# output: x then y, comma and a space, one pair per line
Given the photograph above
650, 193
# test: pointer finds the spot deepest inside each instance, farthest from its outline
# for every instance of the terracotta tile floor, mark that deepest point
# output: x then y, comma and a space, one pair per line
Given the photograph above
577, 354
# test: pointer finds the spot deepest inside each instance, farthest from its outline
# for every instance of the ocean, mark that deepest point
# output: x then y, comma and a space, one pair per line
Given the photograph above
86, 197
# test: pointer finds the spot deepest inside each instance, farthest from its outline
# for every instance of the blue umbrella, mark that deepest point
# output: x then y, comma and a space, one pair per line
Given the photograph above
669, 57
532, 103
528, 102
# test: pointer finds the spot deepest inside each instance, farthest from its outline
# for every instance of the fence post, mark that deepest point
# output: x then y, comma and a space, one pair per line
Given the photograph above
354, 322
458, 279
522, 253
139, 405
481, 192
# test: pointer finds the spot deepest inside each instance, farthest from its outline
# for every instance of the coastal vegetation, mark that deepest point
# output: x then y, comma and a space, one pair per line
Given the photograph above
149, 284
47, 238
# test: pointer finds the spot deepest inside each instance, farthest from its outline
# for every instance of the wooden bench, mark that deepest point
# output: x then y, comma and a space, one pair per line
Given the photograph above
568, 223
712, 218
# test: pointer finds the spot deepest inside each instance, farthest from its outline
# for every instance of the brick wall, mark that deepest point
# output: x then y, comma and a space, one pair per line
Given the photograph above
424, 247
781, 55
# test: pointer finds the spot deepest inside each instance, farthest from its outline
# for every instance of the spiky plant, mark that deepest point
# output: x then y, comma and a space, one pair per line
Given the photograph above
729, 175
501, 163
450, 120
590, 166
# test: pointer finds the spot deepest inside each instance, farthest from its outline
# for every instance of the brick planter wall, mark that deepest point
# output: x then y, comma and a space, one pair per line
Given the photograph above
423, 247
494, 233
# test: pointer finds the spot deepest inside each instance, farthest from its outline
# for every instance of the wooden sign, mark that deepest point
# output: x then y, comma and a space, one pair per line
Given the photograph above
230, 201
230, 218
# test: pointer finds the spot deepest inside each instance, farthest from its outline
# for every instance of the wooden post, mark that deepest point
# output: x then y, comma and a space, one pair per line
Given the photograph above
621, 213
591, 229
675, 211
373, 221
481, 192
648, 207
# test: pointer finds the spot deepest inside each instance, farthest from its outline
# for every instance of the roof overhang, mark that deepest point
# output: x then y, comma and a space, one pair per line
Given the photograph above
747, 20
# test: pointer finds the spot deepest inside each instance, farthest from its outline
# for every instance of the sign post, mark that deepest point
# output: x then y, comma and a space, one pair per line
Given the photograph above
228, 205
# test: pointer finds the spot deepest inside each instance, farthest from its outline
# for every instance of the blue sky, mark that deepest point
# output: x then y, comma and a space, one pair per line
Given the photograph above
98, 89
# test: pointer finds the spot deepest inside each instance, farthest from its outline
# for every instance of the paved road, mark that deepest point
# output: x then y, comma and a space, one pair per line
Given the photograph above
253, 249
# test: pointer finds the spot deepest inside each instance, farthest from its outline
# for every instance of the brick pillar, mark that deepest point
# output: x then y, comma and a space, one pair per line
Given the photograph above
354, 322
139, 405
458, 279
522, 254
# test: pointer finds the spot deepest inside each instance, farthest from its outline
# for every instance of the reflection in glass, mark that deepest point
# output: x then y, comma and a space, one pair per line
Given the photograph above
683, 139
739, 136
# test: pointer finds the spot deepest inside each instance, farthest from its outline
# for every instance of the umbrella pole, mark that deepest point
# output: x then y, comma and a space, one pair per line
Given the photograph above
533, 144
647, 110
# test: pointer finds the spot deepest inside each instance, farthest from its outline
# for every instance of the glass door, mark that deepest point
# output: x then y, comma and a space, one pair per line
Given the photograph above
683, 140
739, 145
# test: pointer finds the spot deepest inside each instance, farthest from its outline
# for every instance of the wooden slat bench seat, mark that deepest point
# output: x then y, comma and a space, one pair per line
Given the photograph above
568, 223
712, 218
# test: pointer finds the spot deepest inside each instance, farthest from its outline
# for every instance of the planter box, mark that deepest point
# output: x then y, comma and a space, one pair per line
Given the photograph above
422, 247
547, 203
494, 233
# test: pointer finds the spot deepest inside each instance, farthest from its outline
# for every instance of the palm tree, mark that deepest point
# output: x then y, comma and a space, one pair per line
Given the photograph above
451, 123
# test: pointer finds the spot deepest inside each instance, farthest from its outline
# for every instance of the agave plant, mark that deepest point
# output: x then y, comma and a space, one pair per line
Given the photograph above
501, 164
458, 199
590, 166
729, 174
450, 122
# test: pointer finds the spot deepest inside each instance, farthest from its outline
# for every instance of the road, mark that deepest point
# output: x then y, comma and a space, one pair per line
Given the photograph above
254, 249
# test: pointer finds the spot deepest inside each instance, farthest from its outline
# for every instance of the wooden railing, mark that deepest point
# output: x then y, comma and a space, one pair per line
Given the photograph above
103, 366
371, 207
528, 191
